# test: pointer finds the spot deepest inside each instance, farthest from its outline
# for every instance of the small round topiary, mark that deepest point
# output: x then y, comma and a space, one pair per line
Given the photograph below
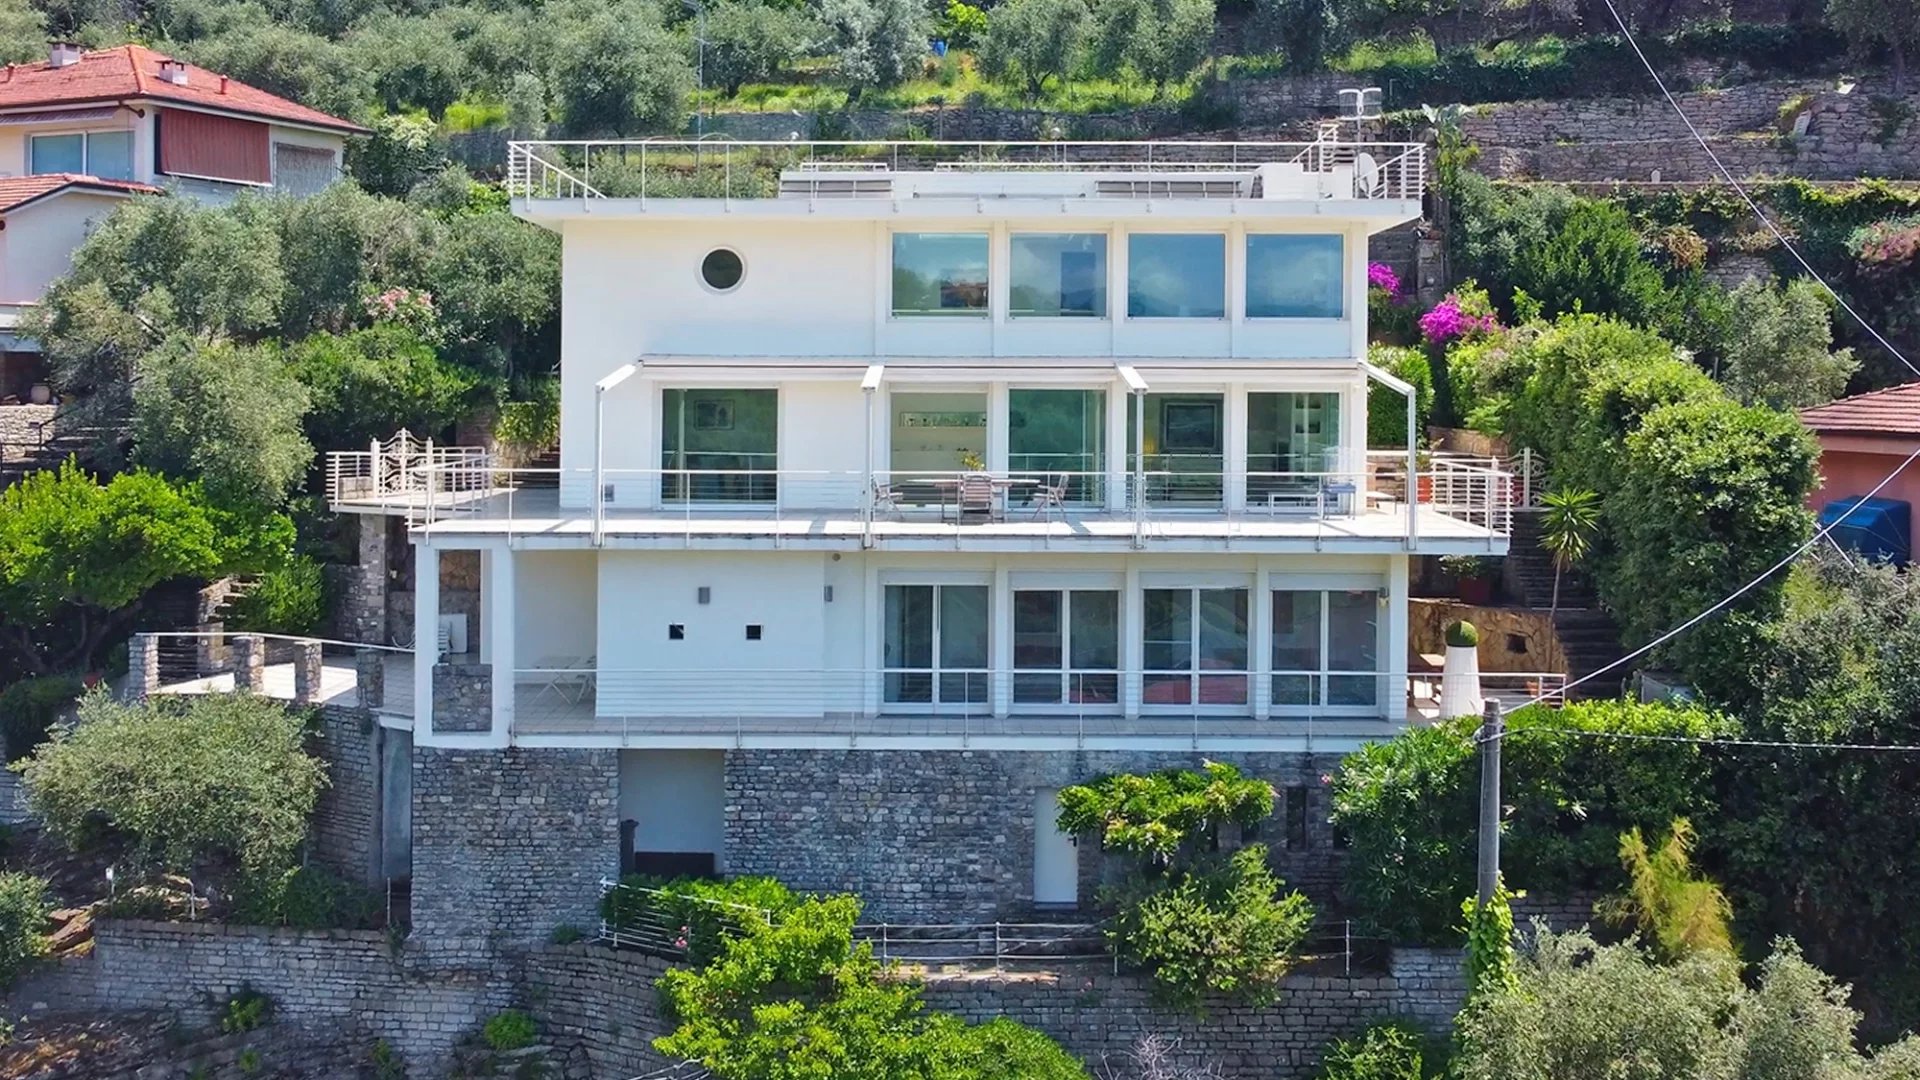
1462, 635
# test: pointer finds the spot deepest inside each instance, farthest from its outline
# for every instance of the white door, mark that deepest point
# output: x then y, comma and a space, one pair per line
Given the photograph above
1056, 861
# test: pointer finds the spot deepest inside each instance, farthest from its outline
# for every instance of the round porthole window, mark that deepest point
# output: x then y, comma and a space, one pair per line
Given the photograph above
722, 269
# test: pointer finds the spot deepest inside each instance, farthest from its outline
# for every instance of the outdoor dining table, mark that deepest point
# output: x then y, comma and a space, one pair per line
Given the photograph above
1001, 486
566, 674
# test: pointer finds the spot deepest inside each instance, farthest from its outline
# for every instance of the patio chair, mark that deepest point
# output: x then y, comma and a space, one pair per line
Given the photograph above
1050, 496
886, 499
976, 497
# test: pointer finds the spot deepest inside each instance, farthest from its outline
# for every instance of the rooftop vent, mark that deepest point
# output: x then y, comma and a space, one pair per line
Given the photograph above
173, 71
62, 53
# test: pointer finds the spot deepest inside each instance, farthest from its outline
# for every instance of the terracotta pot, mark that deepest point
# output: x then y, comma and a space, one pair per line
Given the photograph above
1426, 488
1477, 591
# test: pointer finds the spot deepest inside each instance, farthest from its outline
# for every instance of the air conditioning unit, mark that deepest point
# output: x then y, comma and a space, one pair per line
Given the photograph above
453, 634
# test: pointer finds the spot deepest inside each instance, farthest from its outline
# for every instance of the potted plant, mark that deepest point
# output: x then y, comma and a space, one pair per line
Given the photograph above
1460, 678
1473, 577
972, 462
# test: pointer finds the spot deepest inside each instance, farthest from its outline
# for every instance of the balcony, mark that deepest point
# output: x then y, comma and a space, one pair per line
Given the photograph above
844, 176
1465, 505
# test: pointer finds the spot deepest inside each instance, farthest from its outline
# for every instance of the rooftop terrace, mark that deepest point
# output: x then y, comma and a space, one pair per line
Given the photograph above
1332, 167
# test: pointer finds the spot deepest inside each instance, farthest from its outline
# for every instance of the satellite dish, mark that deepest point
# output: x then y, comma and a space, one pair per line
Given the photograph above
1366, 175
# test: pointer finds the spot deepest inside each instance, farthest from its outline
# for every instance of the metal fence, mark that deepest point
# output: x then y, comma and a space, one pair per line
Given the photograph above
999, 945
671, 924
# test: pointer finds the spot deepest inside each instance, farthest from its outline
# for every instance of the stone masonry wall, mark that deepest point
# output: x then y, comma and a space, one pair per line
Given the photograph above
343, 978
462, 697
20, 429
346, 820
948, 836
510, 844
1099, 1016
601, 1001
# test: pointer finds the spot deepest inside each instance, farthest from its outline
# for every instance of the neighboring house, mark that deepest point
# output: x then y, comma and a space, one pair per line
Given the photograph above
85, 129
1862, 439
892, 499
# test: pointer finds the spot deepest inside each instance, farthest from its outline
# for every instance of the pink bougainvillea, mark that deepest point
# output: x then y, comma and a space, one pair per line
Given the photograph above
1381, 276
1452, 318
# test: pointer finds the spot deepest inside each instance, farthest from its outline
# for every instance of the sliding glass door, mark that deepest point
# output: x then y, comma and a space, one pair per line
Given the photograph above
1325, 644
935, 645
720, 445
1058, 439
1066, 647
1194, 647
1185, 444
1293, 442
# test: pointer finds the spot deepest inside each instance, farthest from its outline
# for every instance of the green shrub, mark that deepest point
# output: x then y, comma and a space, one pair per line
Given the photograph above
529, 427
707, 912
290, 599
28, 709
1409, 807
307, 897
23, 924
247, 1010
1224, 927
1462, 635
1389, 1050
1159, 814
509, 1030
180, 780
1386, 407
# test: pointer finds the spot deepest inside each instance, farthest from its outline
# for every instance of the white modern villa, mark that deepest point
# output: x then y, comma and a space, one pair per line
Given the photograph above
902, 484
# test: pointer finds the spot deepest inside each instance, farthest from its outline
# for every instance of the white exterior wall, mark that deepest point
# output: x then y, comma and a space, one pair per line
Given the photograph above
555, 604
632, 290
38, 242
16, 161
675, 798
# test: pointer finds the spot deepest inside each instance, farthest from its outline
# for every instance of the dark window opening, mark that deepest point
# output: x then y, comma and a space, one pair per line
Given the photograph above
1516, 644
753, 631
676, 632
1296, 818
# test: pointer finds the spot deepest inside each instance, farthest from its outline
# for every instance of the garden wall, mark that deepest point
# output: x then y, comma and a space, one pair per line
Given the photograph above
594, 1003
1099, 1016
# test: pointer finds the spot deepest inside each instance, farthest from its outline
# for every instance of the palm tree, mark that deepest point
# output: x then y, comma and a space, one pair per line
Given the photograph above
1569, 520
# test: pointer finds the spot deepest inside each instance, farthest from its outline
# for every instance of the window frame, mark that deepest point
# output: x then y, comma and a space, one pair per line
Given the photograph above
1196, 676
1246, 278
85, 135
1104, 313
1321, 678
1226, 276
1066, 673
983, 312
972, 704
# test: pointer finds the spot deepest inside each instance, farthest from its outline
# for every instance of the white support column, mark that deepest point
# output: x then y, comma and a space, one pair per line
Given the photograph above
426, 633
997, 430
1396, 656
1118, 402
871, 632
1000, 639
498, 581
1262, 643
1132, 654
1234, 452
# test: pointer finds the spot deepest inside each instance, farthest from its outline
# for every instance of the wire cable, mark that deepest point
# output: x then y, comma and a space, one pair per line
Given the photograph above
1741, 190
1765, 744
1754, 206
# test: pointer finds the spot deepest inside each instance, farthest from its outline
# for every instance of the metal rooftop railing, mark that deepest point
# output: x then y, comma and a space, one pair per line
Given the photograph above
1329, 167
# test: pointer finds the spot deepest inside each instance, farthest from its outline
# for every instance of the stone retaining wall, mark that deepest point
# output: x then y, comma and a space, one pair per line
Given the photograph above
590, 999
1500, 629
462, 698
20, 430
346, 819
509, 845
1099, 1016
947, 836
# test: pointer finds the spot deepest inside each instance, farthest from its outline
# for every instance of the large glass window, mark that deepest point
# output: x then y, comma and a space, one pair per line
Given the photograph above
1185, 447
939, 273
1194, 647
110, 154
720, 445
1325, 642
106, 154
1295, 277
1293, 444
1066, 647
1059, 439
1061, 274
59, 154
935, 645
1176, 276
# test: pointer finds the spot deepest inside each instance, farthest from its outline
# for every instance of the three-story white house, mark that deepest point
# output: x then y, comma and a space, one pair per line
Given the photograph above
901, 485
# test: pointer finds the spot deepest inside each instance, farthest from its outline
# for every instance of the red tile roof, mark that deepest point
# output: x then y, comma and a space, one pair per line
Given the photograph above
1893, 411
18, 191
132, 72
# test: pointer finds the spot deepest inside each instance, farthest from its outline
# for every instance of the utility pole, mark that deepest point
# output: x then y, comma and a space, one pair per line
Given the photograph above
1491, 728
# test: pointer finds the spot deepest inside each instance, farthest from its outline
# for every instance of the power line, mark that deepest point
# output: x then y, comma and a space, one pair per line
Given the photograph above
1763, 744
1753, 206
1741, 190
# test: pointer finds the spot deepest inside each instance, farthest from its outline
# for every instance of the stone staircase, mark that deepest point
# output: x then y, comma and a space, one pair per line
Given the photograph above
1588, 636
19, 458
